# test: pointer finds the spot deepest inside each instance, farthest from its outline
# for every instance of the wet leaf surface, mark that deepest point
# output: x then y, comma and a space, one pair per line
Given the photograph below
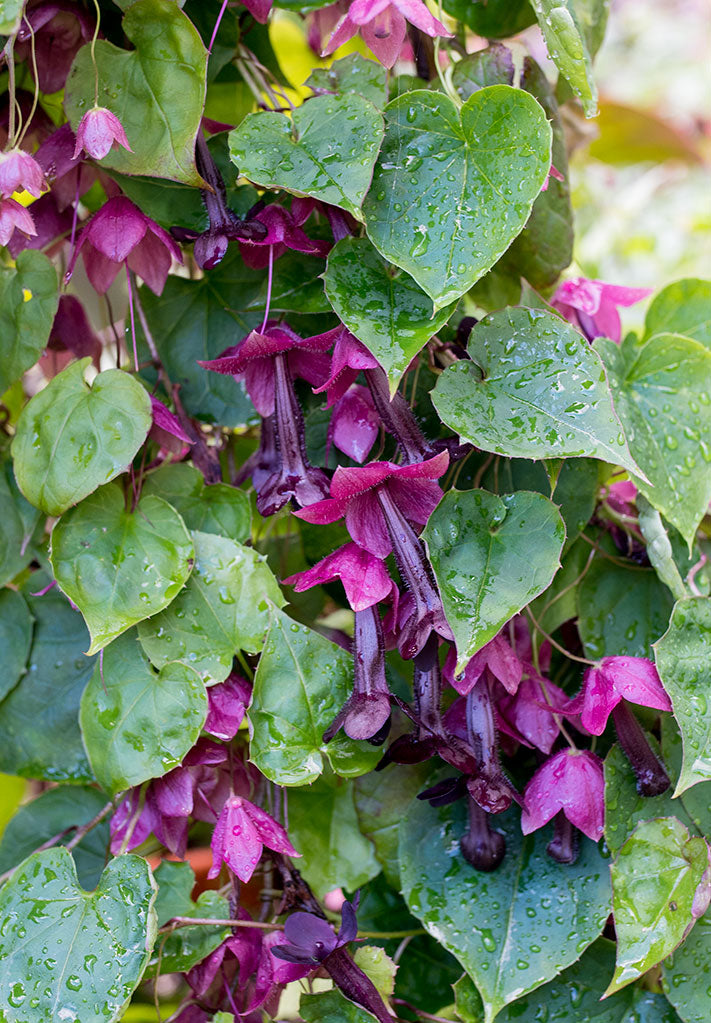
683, 307
218, 508
15, 639
561, 22
29, 295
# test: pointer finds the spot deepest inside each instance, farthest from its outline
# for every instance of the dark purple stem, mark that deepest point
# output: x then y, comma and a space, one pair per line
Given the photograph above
652, 779
368, 708
397, 416
489, 788
355, 985
427, 690
563, 847
482, 847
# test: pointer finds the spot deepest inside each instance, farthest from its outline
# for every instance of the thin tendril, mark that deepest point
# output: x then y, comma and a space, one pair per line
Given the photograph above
217, 25
35, 98
75, 216
130, 309
553, 642
93, 53
13, 105
269, 289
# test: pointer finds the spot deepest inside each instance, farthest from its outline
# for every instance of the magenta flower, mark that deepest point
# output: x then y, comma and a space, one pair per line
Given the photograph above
51, 225
97, 131
364, 576
283, 231
570, 782
166, 425
60, 28
20, 172
348, 359
14, 217
591, 306
527, 717
227, 703
383, 26
119, 233
498, 656
614, 679
71, 177
241, 832
72, 332
354, 424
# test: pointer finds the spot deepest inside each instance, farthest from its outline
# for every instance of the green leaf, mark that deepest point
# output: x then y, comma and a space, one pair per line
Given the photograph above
218, 508
696, 801
564, 35
683, 307
511, 930
381, 799
300, 685
534, 388
686, 975
157, 91
452, 189
491, 556
662, 394
19, 522
574, 996
223, 608
139, 723
622, 609
381, 305
60, 811
332, 1007
39, 727
175, 883
377, 964
659, 548
492, 66
684, 665
120, 566
29, 296
352, 74
326, 149
10, 11
97, 944
492, 19
15, 639
323, 827
179, 951
72, 438
659, 878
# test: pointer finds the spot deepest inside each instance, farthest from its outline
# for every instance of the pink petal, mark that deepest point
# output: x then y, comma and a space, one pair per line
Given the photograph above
259, 9
344, 30
570, 781
355, 423
620, 295
529, 715
322, 513
117, 228
363, 11
364, 577
581, 294
173, 793
100, 270
465, 682
227, 703
270, 832
166, 420
14, 216
595, 702
417, 14
430, 469
365, 523
386, 45
151, 260
259, 384
636, 679
235, 841
348, 482
416, 499
503, 663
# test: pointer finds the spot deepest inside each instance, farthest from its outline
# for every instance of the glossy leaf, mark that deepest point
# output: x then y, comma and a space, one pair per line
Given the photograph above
301, 683
139, 723
326, 150
175, 881
381, 799
352, 74
180, 950
451, 189
157, 90
684, 665
563, 32
19, 523
574, 996
492, 66
659, 548
533, 389
686, 975
381, 305
491, 556
59, 811
622, 609
683, 307
15, 639
513, 929
97, 944
662, 394
223, 608
29, 295
71, 437
323, 827
218, 508
39, 726
332, 1007
661, 882
120, 566
492, 19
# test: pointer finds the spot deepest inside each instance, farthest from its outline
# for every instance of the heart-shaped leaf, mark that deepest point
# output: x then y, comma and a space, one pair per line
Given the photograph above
564, 33
683, 658
120, 566
326, 149
661, 884
662, 394
683, 307
381, 305
39, 727
223, 608
300, 685
533, 389
67, 954
71, 438
29, 295
156, 90
352, 74
491, 556
513, 929
452, 190
218, 508
139, 723
15, 638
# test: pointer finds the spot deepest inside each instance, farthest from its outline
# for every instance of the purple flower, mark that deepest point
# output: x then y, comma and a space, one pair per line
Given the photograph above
71, 177
354, 424
166, 424
59, 28
488, 786
481, 846
72, 332
283, 231
227, 703
383, 27
51, 224
616, 678
364, 576
572, 782
20, 172
97, 131
591, 306
498, 656
527, 717
119, 233
348, 359
241, 832
14, 217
